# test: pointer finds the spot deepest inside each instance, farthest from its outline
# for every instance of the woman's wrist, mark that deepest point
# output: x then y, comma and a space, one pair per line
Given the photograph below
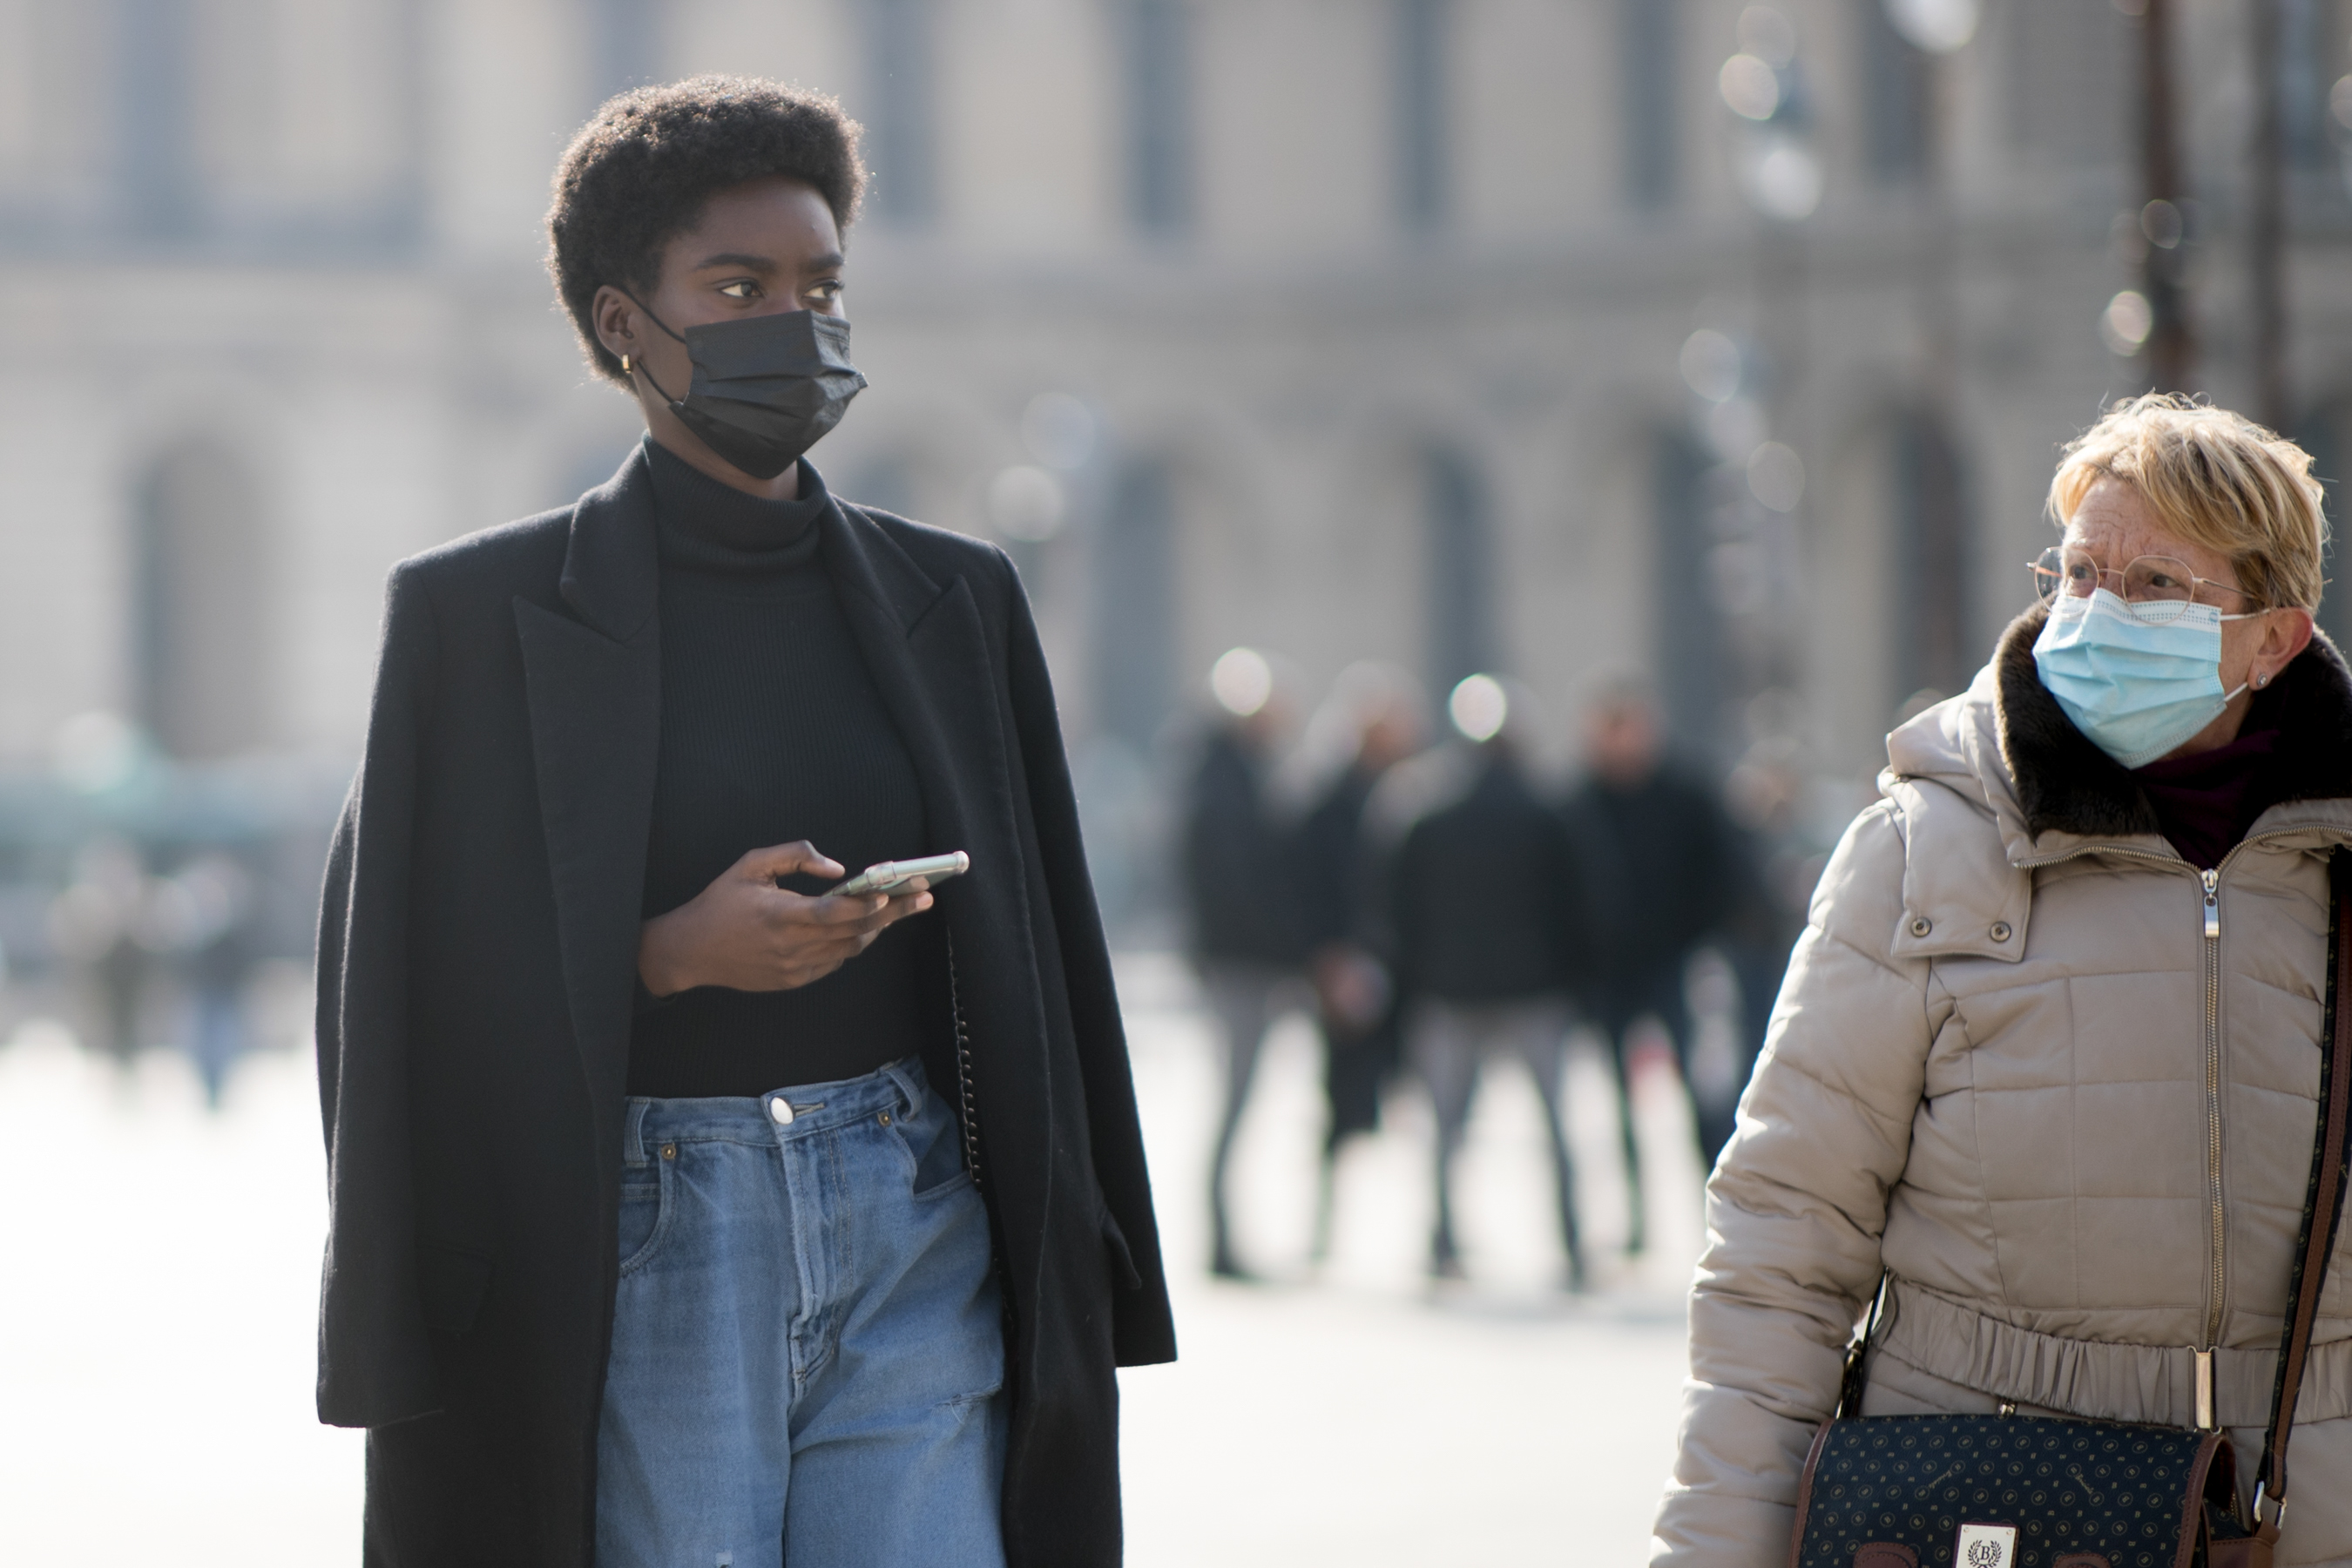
661, 966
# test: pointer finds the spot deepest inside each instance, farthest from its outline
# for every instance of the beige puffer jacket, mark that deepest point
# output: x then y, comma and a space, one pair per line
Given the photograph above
2010, 1064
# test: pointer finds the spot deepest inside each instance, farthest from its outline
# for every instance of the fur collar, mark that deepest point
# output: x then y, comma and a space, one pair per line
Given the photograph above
2066, 784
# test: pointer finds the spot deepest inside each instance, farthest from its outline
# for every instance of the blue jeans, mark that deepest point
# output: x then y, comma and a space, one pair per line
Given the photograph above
807, 1351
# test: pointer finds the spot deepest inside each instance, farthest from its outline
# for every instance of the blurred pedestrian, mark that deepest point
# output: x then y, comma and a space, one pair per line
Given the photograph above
1776, 870
1663, 862
1242, 897
1482, 900
1371, 723
687, 1209
96, 925
2050, 1054
202, 917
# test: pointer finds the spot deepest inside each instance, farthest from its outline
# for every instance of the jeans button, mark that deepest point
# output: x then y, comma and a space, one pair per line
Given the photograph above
782, 1111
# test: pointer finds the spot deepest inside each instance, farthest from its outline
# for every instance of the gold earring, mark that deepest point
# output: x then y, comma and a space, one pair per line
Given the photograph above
624, 365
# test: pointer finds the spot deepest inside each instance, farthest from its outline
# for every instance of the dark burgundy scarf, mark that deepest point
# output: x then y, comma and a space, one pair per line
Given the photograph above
2207, 800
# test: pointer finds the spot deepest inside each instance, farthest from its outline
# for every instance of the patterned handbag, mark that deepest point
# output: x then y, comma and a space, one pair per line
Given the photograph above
2011, 1491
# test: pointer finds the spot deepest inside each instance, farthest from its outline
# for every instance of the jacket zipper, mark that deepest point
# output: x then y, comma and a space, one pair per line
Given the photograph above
2213, 884
2210, 885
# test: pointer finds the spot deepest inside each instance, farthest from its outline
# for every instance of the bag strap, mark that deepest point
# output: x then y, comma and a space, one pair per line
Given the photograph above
2323, 1204
1855, 1378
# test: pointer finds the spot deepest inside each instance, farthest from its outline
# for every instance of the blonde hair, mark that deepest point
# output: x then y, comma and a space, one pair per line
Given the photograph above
2216, 478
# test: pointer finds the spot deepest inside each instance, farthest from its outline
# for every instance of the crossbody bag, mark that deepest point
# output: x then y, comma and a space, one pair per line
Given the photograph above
2018, 1491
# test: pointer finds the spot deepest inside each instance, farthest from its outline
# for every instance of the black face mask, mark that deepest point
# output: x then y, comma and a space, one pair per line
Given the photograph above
766, 388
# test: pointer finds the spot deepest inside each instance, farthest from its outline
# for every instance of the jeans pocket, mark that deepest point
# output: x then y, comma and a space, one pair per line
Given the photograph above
647, 1206
934, 1152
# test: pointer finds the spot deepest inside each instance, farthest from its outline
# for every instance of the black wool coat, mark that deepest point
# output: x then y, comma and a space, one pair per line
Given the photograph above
477, 963
1485, 895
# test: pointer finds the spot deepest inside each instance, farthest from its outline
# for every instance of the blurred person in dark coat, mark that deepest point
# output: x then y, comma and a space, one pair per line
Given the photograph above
1482, 900
1777, 870
1371, 723
1667, 865
1238, 882
205, 915
96, 925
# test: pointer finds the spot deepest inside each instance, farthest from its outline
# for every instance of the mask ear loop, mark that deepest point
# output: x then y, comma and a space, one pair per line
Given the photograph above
641, 368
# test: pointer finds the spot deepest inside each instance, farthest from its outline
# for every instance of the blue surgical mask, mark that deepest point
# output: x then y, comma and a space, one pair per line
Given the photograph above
2138, 689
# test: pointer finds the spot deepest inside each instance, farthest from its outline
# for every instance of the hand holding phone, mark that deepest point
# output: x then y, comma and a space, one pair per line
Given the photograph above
749, 931
891, 876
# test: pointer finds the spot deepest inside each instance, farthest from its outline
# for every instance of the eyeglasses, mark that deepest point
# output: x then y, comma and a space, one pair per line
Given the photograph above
2155, 587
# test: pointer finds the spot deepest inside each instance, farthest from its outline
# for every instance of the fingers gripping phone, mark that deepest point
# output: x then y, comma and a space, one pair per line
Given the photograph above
893, 875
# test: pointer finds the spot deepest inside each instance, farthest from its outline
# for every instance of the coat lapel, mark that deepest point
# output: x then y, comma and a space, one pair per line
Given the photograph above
927, 648
594, 691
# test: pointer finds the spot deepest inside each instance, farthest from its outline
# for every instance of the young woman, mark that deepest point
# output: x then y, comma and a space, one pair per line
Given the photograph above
684, 1214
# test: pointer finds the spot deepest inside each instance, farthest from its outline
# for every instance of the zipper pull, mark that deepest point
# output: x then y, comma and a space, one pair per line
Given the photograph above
2212, 905
2205, 1422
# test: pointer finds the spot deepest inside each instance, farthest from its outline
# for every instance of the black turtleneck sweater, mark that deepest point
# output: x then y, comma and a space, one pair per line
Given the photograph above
771, 730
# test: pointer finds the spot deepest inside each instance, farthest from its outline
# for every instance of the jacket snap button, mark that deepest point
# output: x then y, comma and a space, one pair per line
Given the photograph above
2000, 930
1921, 925
782, 1111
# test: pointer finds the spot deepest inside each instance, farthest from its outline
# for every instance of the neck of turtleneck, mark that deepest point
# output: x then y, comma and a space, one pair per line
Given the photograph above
707, 527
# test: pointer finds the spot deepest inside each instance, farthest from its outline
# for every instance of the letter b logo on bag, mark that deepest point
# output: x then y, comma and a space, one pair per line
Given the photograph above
1987, 1546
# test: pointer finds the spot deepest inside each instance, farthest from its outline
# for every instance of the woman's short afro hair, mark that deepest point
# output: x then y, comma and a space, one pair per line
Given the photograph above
641, 169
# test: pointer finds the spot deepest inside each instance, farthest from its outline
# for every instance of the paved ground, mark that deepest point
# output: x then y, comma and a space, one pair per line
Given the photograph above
155, 1329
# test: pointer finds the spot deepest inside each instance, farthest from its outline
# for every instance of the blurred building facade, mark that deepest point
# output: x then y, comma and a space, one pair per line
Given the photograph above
1543, 335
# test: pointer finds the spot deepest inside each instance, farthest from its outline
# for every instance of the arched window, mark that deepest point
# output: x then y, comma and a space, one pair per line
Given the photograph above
1135, 625
1894, 93
621, 47
160, 183
2320, 433
2307, 63
2068, 87
1159, 48
1462, 639
1688, 631
900, 110
1648, 150
1933, 590
201, 566
1423, 30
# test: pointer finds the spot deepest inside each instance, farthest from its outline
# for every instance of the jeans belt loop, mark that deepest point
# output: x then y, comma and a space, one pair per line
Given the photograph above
632, 1144
907, 1087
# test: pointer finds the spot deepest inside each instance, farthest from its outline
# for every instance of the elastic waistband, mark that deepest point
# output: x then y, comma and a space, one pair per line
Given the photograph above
815, 1108
2094, 1378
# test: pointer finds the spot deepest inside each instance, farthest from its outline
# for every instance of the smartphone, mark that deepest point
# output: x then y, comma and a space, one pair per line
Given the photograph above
892, 876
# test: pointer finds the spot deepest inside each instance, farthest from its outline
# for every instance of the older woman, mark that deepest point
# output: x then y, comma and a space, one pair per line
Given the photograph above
2048, 1054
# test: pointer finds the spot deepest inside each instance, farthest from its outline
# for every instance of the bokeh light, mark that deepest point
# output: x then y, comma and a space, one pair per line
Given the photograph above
1242, 681
1479, 707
